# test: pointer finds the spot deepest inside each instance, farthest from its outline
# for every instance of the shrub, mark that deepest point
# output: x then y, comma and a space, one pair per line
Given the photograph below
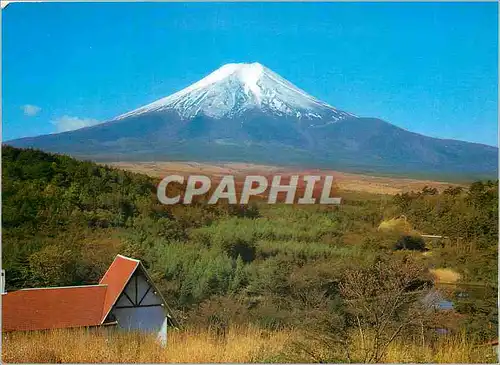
415, 243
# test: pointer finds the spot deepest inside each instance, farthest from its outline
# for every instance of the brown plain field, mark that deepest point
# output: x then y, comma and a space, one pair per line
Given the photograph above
343, 181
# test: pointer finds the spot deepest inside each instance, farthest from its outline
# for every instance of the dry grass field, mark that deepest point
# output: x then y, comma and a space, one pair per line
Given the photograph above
98, 346
445, 275
240, 345
344, 181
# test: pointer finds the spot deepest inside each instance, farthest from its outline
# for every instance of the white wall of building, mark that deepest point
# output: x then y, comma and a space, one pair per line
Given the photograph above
149, 315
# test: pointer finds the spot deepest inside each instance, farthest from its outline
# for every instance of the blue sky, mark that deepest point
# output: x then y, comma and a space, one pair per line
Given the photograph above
427, 67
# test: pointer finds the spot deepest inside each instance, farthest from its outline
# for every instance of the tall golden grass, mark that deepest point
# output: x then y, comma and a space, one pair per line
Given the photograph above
240, 344
448, 349
457, 348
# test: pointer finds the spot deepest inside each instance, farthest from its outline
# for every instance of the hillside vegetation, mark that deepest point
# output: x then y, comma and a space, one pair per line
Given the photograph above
325, 272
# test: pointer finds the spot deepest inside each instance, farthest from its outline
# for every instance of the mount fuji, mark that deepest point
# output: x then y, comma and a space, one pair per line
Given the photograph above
246, 112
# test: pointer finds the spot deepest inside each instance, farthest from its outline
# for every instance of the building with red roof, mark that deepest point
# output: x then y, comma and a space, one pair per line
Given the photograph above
126, 297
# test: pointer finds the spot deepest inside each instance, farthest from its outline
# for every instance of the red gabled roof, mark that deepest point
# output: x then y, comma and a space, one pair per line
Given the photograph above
116, 278
66, 307
50, 308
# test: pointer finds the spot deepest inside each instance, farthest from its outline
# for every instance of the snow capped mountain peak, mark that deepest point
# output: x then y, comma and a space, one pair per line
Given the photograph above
236, 88
248, 75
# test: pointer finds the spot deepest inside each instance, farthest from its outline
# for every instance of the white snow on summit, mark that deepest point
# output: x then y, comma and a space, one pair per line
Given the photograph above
238, 87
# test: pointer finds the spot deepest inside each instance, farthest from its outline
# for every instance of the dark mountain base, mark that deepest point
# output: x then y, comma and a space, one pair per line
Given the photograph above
364, 145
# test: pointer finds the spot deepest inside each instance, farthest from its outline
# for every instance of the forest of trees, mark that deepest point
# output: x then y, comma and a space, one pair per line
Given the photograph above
64, 220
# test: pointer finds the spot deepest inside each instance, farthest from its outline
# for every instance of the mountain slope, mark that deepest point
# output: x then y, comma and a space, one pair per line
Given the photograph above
246, 112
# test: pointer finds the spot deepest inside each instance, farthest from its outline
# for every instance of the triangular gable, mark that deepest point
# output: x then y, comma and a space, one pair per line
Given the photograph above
128, 290
138, 292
